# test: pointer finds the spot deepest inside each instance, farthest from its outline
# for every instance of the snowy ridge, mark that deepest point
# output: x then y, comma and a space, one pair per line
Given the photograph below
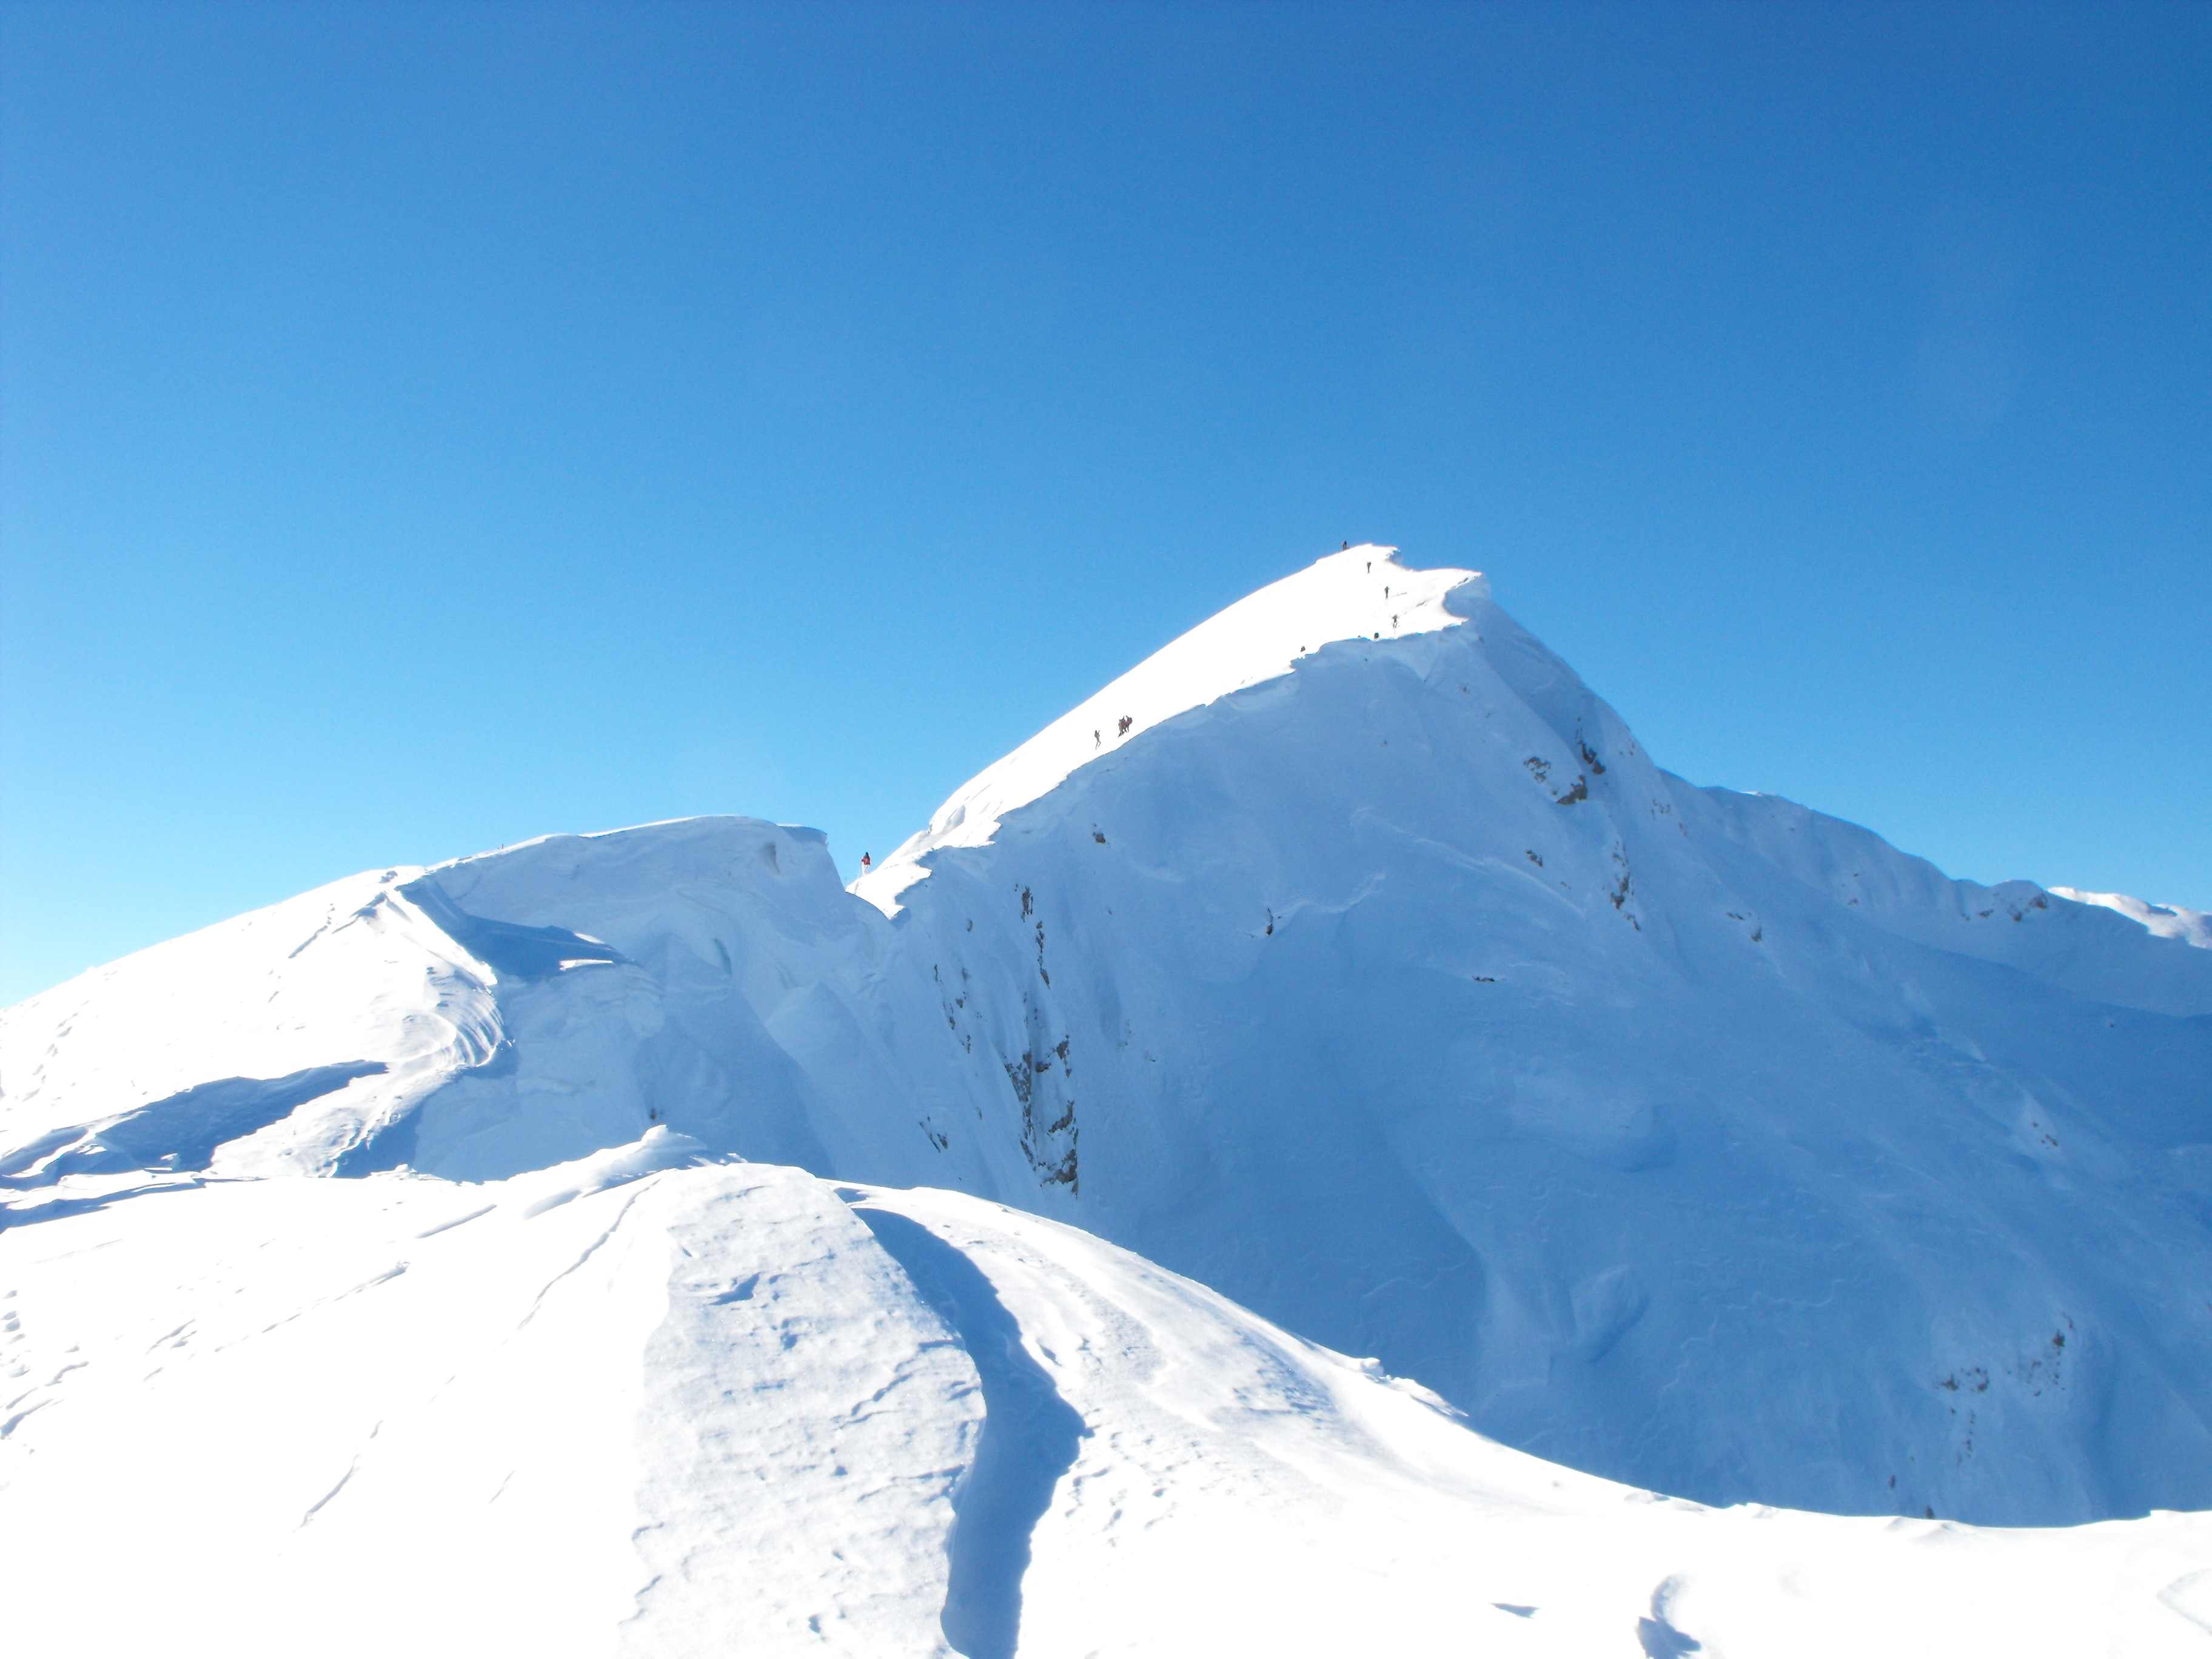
2075, 945
1361, 593
1692, 1139
2166, 920
347, 992
648, 1405
491, 1014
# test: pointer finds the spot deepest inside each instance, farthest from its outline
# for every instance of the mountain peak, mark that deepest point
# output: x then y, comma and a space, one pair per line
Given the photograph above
1358, 593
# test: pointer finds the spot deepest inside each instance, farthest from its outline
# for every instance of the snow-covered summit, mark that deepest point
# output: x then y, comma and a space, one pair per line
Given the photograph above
1361, 593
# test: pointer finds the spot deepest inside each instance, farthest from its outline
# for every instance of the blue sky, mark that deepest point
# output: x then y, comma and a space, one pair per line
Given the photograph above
422, 428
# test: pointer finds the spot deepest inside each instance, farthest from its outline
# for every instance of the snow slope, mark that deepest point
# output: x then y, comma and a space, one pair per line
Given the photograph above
1688, 1138
1262, 637
1375, 978
649, 1403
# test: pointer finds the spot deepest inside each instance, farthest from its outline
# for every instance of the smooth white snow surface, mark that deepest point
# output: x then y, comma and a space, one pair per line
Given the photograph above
1692, 1139
706, 1408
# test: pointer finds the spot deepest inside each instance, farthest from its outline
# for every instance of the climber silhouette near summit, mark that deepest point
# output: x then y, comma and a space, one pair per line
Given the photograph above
865, 862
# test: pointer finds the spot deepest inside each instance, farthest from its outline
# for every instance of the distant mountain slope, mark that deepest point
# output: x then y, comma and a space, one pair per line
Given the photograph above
1375, 977
2166, 920
643, 1404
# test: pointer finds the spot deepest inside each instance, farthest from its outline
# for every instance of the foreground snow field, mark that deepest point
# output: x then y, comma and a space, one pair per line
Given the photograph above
642, 1239
644, 1404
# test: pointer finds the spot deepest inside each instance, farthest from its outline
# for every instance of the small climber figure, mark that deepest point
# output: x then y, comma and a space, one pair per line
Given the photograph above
1386, 590
866, 863
1094, 737
1344, 547
1124, 730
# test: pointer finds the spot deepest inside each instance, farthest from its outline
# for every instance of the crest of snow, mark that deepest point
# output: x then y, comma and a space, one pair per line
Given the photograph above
2165, 921
733, 1408
659, 1148
1360, 593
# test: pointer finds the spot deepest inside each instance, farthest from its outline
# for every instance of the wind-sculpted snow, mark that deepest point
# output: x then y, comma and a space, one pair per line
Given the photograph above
1375, 977
183, 1131
699, 1408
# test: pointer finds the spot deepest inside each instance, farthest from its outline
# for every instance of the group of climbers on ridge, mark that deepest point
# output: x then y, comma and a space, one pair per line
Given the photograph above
1121, 727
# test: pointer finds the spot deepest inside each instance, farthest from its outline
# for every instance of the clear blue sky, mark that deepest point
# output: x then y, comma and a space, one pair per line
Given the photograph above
422, 428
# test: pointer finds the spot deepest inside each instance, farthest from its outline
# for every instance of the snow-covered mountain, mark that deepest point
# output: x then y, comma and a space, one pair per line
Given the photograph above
1350, 958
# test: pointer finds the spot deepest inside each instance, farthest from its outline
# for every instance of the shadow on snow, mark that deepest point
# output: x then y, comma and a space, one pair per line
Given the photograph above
182, 1131
1028, 1440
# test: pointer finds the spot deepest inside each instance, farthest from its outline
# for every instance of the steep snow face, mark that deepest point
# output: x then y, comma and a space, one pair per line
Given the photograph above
649, 1403
494, 1014
1381, 982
